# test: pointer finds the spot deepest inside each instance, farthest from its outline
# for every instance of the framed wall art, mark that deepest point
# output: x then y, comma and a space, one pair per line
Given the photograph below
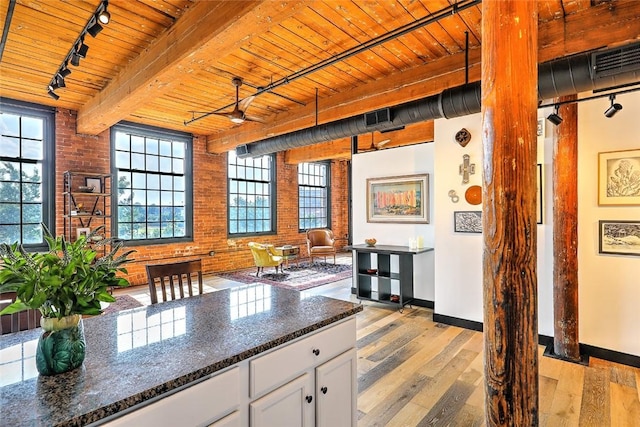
403, 199
619, 237
82, 231
619, 178
467, 221
95, 183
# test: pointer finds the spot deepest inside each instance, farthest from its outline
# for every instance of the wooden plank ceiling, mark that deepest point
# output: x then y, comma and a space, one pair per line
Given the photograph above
166, 62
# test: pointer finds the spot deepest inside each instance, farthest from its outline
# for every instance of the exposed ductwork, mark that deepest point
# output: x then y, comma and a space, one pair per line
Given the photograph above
591, 71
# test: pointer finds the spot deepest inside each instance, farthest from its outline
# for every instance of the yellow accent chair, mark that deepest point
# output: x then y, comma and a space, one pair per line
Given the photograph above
265, 256
321, 243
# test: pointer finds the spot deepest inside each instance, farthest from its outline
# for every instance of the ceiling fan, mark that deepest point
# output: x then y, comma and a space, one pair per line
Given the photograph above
376, 146
238, 115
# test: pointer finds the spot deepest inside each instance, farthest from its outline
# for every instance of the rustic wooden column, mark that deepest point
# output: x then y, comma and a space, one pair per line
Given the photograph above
565, 233
509, 121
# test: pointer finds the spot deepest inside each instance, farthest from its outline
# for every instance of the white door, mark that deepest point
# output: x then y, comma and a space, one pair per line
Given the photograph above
291, 405
336, 392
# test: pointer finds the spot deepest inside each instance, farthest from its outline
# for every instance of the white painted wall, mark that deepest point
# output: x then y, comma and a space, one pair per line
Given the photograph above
609, 284
458, 256
410, 160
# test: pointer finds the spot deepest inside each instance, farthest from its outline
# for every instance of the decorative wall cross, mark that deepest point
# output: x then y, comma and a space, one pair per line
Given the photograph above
467, 168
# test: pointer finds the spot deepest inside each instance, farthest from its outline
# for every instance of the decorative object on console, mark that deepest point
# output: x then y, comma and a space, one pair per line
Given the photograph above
401, 199
619, 237
370, 242
462, 137
466, 169
619, 178
45, 281
454, 196
467, 221
473, 195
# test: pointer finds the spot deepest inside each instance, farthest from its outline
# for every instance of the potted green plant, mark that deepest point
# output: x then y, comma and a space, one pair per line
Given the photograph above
64, 283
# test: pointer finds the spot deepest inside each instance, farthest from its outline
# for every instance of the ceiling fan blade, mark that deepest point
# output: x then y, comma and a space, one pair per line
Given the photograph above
253, 119
244, 104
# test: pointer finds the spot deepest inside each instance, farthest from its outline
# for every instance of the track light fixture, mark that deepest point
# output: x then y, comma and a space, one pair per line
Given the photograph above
104, 16
79, 49
554, 117
82, 49
53, 94
613, 108
94, 29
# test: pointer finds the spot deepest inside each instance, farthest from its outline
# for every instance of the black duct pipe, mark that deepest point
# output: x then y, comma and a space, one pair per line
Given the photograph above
560, 77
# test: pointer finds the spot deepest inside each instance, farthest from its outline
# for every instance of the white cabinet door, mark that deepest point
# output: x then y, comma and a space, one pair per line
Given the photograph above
291, 405
231, 420
336, 391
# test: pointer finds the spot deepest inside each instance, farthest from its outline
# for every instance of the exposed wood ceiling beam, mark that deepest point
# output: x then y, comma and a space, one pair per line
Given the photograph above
556, 39
208, 31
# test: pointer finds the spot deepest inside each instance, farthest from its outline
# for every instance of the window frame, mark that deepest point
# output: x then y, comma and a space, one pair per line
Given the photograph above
159, 133
327, 186
48, 116
273, 200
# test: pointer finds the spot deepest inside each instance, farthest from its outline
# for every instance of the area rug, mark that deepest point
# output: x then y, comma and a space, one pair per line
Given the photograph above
123, 302
299, 277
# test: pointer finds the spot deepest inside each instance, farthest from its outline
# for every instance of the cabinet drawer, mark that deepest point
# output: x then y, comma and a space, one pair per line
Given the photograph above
200, 404
286, 363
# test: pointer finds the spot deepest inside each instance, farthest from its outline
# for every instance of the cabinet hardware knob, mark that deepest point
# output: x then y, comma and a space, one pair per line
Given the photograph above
324, 390
316, 351
309, 399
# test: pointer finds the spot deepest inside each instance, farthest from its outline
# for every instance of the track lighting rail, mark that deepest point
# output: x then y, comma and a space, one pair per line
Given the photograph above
609, 112
79, 49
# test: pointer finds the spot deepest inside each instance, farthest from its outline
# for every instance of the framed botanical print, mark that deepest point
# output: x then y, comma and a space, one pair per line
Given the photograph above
619, 178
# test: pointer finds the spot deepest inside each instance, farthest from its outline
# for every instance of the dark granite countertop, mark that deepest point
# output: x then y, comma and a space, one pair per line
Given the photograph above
135, 355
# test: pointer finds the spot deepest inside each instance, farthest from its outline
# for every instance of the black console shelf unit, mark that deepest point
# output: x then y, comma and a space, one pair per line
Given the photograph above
378, 284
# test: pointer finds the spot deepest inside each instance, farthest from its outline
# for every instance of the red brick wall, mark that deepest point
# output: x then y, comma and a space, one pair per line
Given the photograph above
88, 153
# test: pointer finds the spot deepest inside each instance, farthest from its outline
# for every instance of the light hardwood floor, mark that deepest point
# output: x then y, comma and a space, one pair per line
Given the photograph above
414, 372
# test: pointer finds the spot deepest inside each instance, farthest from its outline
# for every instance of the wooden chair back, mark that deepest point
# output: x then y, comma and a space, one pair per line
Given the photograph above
9, 323
174, 278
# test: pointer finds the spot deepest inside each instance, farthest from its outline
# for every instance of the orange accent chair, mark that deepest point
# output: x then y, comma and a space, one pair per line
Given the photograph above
321, 243
264, 256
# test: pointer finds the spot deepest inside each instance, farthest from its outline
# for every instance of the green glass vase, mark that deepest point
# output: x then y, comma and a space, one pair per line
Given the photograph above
61, 346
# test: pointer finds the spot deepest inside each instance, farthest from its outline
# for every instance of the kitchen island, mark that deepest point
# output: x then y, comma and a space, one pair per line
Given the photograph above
141, 356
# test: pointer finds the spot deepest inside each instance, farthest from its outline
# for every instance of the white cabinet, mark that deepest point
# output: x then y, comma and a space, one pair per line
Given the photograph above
323, 391
308, 382
231, 420
290, 405
198, 405
336, 391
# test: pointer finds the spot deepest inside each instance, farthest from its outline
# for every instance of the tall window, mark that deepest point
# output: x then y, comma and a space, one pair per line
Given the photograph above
313, 195
251, 195
26, 172
154, 184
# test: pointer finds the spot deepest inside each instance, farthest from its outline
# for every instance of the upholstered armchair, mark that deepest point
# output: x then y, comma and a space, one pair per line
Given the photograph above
264, 256
320, 243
